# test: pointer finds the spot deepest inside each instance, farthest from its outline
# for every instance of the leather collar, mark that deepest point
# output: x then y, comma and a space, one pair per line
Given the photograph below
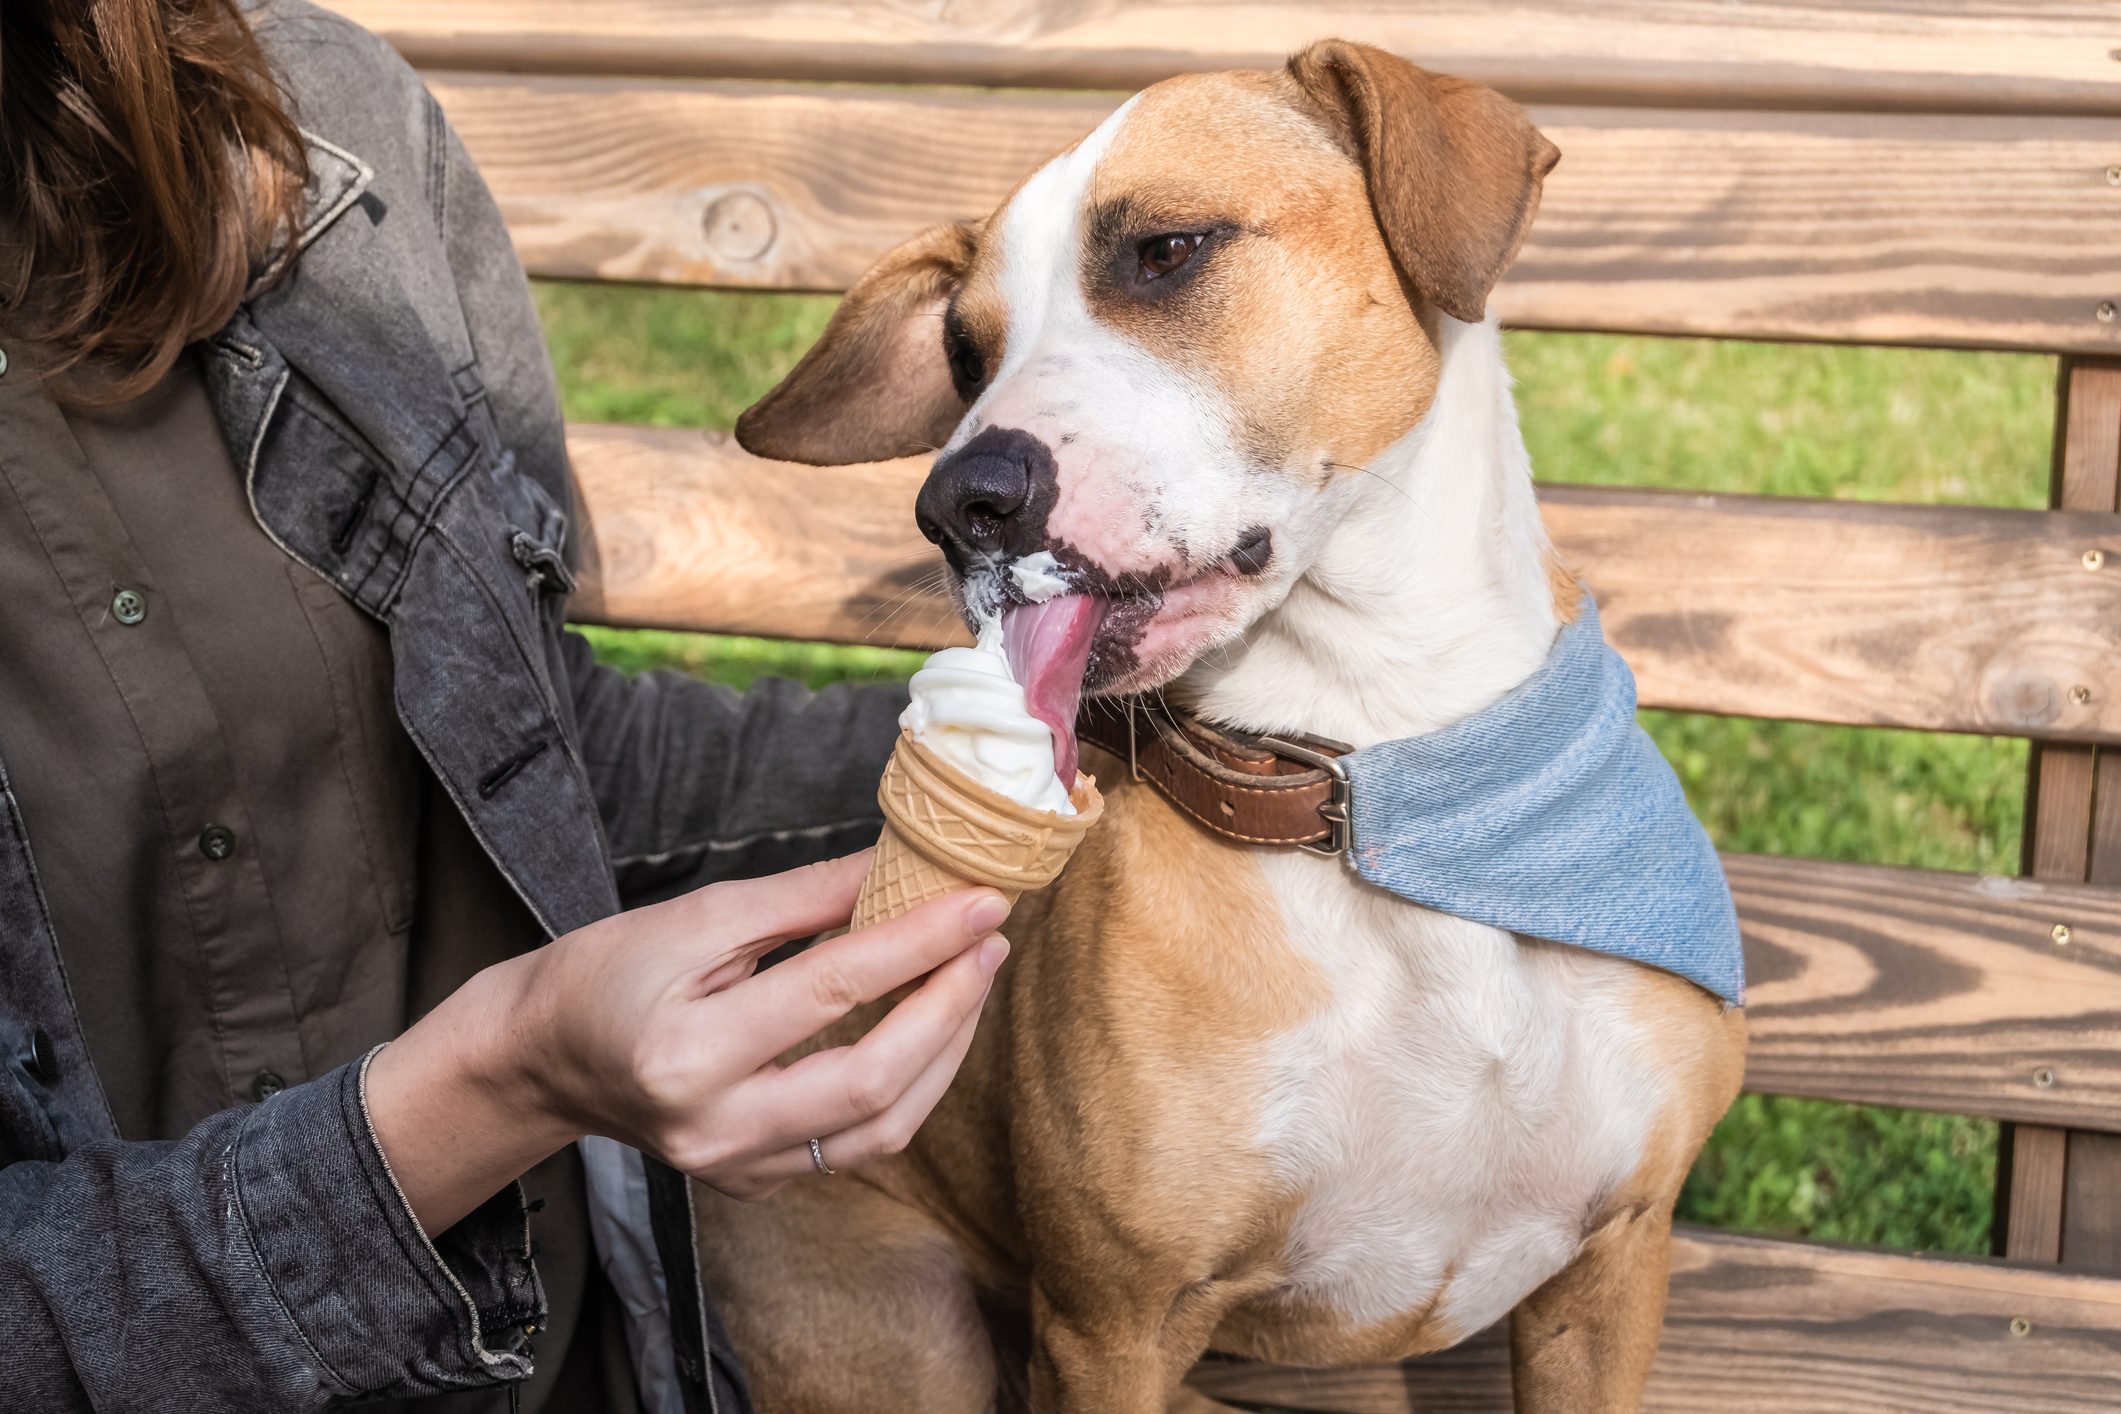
1250, 789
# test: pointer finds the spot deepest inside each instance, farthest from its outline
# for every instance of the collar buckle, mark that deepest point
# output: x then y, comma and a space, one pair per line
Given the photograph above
1324, 754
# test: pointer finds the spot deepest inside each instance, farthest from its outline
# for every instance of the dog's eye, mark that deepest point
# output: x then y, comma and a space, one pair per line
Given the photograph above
1160, 255
967, 367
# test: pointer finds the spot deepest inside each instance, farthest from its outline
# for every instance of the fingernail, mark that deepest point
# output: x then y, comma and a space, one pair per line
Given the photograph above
986, 915
992, 953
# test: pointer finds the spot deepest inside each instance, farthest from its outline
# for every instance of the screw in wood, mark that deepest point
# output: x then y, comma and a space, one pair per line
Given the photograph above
2094, 559
2044, 1077
2021, 1326
2060, 933
2113, 175
2105, 311
2080, 694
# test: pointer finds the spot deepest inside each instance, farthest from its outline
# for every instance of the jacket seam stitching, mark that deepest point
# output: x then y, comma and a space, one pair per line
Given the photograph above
471, 820
548, 695
491, 1359
437, 164
364, 176
231, 1174
699, 1297
718, 845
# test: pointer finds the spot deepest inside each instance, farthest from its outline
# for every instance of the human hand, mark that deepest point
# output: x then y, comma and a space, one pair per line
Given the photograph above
653, 1027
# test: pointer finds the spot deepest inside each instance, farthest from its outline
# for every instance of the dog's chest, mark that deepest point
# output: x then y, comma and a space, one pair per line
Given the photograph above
1454, 1113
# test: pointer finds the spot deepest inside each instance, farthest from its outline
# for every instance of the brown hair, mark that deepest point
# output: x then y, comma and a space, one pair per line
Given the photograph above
149, 176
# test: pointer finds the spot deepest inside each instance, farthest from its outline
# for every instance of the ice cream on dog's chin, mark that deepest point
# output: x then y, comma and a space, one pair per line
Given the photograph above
969, 709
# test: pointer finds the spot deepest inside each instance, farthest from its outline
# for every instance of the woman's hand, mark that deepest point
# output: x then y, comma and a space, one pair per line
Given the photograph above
651, 1027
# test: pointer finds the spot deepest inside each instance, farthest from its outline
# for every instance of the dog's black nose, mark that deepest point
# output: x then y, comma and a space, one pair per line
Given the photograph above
985, 496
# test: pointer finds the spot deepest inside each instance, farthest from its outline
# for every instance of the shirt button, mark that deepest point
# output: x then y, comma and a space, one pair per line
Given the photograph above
217, 842
266, 1086
128, 606
3, 363
43, 1059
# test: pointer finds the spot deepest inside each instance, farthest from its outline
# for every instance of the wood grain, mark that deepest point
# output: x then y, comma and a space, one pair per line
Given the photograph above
2045, 1177
1933, 991
2091, 1204
2058, 809
1993, 232
2088, 473
1792, 1328
687, 530
2087, 447
2031, 56
1948, 618
2030, 1213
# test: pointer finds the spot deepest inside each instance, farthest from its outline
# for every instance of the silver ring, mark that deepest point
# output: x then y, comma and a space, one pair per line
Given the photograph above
817, 1159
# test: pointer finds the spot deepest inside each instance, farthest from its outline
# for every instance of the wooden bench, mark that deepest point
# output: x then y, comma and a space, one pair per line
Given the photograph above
1884, 171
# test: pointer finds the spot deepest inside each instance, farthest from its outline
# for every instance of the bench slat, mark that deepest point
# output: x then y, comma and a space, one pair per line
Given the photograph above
1936, 617
1928, 990
1994, 232
2033, 56
1796, 1328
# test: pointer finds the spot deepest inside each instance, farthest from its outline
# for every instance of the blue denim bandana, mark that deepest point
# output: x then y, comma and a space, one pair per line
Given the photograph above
1551, 814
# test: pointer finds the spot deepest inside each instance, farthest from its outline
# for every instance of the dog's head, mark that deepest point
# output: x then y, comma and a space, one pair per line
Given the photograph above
1152, 372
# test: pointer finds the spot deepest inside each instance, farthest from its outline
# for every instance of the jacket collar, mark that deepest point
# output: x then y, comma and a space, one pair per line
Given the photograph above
337, 179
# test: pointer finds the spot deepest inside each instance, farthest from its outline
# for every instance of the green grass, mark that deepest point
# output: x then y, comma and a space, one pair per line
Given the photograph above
672, 358
739, 662
1786, 419
1867, 424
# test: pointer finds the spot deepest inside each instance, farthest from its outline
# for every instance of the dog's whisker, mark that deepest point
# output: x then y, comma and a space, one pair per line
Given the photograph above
934, 583
881, 616
1386, 481
894, 608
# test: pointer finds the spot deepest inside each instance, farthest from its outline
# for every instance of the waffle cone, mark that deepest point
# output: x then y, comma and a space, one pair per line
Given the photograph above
943, 831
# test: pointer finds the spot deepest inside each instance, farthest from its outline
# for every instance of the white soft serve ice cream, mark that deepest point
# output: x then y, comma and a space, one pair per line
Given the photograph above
969, 709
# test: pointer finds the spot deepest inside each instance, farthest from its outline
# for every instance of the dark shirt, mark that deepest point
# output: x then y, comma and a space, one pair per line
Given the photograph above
252, 876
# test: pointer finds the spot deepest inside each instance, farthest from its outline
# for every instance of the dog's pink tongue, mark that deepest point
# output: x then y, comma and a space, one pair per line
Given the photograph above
1049, 648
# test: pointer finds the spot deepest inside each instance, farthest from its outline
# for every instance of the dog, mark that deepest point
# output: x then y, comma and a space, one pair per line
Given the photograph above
1224, 371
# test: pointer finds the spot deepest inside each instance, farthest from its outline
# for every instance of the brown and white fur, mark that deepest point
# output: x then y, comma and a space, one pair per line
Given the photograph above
1224, 1098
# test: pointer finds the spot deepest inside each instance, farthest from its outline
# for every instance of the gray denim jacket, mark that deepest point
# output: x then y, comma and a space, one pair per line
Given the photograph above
393, 411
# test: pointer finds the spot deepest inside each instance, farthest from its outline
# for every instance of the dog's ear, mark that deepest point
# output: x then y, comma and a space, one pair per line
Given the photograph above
1453, 167
877, 383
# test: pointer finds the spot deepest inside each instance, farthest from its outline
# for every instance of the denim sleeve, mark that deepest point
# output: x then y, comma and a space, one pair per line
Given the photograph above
698, 782
266, 1260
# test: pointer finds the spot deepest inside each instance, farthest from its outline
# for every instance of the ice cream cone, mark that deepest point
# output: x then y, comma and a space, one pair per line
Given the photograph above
943, 831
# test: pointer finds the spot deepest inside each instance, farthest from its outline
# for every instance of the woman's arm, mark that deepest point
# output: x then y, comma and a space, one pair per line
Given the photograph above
361, 1236
652, 1028
263, 1261
698, 782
